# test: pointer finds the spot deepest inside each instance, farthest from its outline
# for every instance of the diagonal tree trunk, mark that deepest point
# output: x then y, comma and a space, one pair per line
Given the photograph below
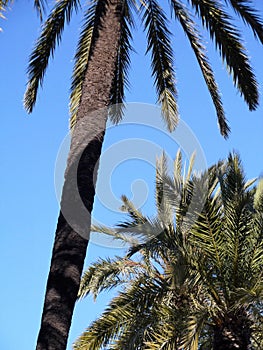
73, 225
234, 333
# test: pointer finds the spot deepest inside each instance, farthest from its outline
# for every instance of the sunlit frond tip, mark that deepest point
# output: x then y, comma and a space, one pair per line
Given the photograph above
159, 44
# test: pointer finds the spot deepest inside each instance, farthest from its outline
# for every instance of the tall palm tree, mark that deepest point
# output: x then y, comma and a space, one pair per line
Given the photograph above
199, 287
99, 77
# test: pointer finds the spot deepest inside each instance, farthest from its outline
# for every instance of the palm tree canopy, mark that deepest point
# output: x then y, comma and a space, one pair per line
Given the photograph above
214, 17
178, 281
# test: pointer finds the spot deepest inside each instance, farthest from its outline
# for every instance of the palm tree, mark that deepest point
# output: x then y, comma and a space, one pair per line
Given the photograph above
189, 287
99, 78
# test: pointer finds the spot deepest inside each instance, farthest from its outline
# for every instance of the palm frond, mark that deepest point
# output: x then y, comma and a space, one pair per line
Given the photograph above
81, 59
3, 7
195, 40
115, 234
231, 49
165, 211
45, 46
249, 15
120, 81
158, 37
40, 6
108, 273
193, 328
128, 308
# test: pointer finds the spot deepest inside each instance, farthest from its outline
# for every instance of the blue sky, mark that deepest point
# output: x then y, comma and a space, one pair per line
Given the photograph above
30, 144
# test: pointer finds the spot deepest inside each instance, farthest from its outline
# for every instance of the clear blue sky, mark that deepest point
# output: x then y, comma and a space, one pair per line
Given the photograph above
30, 144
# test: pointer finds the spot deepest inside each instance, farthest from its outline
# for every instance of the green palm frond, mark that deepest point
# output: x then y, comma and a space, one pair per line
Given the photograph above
108, 273
195, 40
227, 40
81, 59
122, 65
116, 234
45, 46
193, 328
165, 211
158, 37
249, 15
164, 336
130, 307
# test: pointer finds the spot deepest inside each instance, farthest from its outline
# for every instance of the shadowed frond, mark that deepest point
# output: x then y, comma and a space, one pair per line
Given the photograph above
195, 40
227, 40
249, 15
3, 6
45, 46
158, 37
122, 65
40, 6
81, 60
194, 325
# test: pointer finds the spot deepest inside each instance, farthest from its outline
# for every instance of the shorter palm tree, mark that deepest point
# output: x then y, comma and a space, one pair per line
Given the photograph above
152, 276
184, 285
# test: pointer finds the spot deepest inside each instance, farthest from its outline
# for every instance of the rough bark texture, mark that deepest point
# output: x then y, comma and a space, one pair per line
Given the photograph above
234, 333
73, 225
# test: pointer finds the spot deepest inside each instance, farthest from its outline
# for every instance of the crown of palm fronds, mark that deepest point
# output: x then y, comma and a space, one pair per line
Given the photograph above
213, 16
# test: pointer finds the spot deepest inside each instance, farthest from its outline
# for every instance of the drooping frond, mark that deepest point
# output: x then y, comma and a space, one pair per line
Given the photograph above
116, 234
227, 40
131, 308
249, 15
45, 46
195, 40
106, 274
40, 6
159, 44
81, 60
120, 81
3, 6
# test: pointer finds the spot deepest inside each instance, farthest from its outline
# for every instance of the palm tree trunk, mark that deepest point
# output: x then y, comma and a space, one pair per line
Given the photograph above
234, 333
73, 225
